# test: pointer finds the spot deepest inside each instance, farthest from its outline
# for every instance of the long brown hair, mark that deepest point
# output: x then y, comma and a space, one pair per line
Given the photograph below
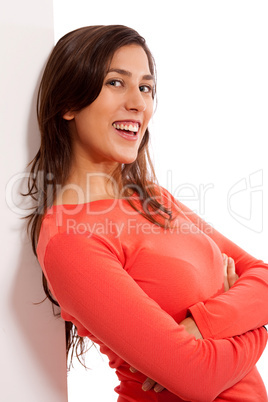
72, 79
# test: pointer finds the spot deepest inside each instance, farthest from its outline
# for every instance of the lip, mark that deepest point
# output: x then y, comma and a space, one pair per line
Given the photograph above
126, 136
127, 122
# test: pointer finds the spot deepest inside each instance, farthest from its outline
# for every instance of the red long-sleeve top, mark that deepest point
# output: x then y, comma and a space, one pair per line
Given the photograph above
127, 283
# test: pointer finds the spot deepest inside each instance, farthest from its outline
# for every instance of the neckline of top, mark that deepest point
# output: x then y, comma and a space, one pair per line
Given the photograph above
93, 202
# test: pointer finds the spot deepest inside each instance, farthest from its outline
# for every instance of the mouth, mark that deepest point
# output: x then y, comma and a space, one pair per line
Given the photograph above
127, 127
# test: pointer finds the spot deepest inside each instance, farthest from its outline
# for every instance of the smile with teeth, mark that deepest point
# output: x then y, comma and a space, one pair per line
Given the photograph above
132, 127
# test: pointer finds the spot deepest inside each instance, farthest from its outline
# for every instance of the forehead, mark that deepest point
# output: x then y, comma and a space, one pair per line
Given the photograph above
132, 58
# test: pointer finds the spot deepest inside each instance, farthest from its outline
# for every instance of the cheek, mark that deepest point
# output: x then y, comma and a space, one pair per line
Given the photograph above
149, 111
84, 128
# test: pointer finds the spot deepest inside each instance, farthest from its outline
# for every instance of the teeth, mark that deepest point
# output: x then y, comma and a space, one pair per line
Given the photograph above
128, 127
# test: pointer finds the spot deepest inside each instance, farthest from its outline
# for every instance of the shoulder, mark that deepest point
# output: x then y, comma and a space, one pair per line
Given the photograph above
168, 200
61, 240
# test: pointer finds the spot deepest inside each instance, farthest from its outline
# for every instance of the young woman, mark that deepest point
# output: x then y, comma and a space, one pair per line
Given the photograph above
131, 267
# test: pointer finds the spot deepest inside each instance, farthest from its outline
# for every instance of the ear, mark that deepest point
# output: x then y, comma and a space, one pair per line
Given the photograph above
68, 115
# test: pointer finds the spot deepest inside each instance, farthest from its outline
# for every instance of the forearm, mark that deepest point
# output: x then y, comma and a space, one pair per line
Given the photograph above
240, 309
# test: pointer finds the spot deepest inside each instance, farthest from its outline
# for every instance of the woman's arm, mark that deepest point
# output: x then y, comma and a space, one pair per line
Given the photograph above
244, 306
100, 297
189, 324
230, 277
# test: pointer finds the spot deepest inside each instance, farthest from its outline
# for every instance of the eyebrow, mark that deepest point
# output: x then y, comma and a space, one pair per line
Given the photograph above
129, 74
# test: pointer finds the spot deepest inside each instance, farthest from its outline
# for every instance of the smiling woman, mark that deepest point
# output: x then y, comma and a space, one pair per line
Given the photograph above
131, 267
121, 112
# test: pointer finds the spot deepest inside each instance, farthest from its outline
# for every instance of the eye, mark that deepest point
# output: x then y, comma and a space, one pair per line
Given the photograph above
115, 83
146, 89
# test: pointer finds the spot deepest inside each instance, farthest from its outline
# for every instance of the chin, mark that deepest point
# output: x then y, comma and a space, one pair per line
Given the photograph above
127, 159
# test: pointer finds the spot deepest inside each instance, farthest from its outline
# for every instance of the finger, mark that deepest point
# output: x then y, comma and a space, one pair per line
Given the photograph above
148, 384
158, 388
225, 263
231, 274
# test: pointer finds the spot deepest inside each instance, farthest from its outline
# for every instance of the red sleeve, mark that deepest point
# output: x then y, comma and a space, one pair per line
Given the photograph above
244, 306
91, 286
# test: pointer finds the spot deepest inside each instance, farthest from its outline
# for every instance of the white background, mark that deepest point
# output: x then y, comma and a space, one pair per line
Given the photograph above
31, 340
208, 134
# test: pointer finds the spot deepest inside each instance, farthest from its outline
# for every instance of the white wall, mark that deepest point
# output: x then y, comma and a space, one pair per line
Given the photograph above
32, 341
209, 131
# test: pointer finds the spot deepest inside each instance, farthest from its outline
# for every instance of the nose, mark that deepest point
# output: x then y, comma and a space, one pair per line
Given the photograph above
135, 101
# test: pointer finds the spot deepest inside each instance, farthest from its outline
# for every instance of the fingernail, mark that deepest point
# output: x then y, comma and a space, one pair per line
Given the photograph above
224, 256
132, 370
157, 388
230, 260
146, 386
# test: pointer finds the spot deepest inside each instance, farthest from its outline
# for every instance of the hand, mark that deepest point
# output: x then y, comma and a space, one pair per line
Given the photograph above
149, 383
191, 327
230, 276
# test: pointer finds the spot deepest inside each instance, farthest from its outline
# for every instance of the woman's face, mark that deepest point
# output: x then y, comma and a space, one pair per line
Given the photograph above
110, 130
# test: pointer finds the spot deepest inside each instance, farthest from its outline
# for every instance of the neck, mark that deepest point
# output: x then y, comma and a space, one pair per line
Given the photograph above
89, 183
